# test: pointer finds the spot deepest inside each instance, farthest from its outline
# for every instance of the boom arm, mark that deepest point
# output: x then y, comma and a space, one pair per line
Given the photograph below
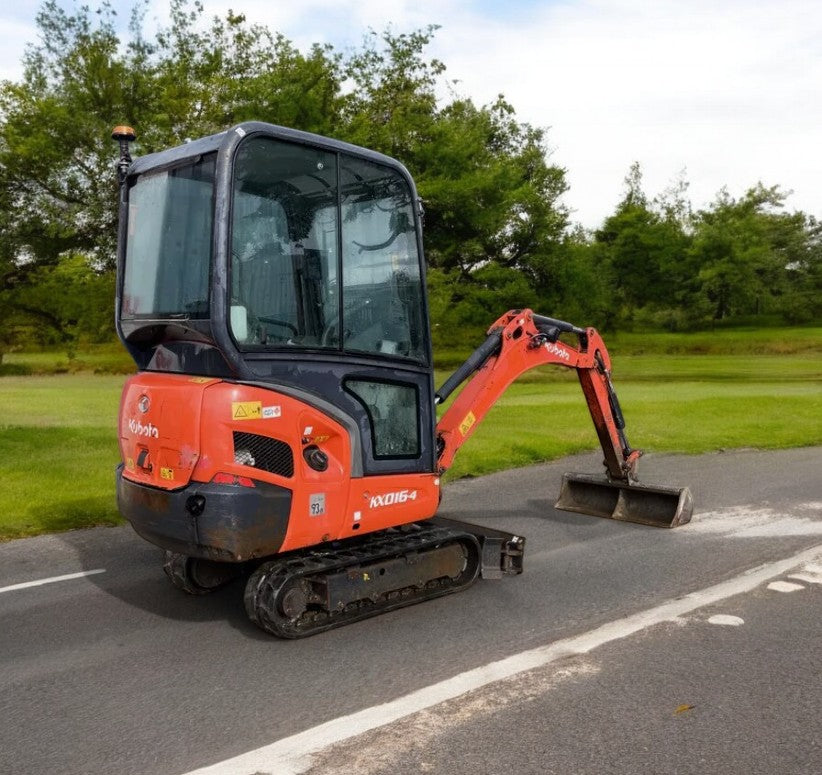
517, 342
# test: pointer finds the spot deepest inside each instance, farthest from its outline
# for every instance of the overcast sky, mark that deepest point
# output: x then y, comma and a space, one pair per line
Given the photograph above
727, 90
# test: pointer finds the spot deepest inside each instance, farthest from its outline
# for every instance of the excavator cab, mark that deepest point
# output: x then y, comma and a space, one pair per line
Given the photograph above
282, 422
275, 257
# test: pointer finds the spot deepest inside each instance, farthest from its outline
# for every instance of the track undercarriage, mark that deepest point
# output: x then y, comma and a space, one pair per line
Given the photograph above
306, 592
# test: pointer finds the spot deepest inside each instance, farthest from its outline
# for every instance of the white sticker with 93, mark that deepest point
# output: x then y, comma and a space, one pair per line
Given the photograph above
316, 504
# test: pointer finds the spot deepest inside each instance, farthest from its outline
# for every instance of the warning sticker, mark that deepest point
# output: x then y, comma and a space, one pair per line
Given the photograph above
202, 380
272, 411
467, 423
246, 410
167, 473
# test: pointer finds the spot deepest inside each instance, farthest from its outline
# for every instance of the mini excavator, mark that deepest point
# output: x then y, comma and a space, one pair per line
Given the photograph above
282, 424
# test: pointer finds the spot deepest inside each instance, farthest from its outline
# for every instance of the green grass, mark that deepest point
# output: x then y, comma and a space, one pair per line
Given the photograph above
58, 444
58, 449
100, 359
535, 422
757, 342
741, 341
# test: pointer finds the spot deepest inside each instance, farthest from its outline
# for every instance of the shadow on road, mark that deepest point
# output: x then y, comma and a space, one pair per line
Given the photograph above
134, 575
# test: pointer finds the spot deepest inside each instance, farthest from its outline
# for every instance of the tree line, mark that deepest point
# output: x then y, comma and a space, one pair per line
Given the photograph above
497, 234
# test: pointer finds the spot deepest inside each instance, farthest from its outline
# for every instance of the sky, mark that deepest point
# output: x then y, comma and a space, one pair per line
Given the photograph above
726, 93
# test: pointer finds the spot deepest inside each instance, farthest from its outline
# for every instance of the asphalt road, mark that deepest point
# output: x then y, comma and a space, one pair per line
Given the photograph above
119, 672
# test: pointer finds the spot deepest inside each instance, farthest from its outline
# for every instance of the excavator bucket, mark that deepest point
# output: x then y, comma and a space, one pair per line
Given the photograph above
641, 503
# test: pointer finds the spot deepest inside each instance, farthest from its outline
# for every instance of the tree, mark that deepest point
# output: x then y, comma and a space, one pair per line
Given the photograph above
207, 78
582, 289
802, 301
489, 193
746, 251
393, 105
51, 145
72, 298
670, 266
55, 153
642, 248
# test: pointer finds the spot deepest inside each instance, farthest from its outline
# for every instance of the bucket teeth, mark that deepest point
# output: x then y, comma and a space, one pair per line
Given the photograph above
641, 503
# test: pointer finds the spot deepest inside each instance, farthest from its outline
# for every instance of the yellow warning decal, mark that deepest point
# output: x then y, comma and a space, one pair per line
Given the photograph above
167, 473
202, 380
467, 423
246, 410
129, 462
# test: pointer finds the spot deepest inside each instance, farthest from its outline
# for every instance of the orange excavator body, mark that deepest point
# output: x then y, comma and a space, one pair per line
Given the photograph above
197, 432
282, 423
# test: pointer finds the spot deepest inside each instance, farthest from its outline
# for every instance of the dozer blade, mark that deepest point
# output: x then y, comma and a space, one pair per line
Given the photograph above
642, 503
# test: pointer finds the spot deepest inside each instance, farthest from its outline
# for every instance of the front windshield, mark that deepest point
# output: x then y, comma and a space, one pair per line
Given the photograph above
323, 253
168, 246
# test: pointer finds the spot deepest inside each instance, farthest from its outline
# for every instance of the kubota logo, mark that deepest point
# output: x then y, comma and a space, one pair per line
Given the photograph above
390, 498
560, 352
137, 428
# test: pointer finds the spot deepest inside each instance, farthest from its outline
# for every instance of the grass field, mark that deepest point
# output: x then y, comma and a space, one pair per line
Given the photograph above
58, 445
58, 449
100, 359
737, 341
542, 421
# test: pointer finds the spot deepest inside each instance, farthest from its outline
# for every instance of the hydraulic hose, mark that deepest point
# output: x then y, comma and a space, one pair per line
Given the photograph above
489, 347
567, 328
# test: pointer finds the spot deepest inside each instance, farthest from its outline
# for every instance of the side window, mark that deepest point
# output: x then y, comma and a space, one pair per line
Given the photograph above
168, 252
393, 411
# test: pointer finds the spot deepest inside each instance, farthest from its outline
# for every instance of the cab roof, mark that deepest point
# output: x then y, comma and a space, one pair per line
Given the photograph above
173, 156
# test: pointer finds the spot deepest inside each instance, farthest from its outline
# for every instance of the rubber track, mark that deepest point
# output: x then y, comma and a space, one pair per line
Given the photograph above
270, 579
178, 569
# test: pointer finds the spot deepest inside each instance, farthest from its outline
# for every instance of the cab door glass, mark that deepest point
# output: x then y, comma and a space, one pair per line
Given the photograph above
382, 284
284, 247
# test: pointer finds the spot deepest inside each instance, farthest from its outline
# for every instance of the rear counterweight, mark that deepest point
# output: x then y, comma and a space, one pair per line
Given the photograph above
224, 522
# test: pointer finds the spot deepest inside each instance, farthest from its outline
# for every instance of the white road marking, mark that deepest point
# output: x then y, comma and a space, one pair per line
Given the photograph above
727, 620
784, 586
779, 528
292, 755
808, 578
756, 522
51, 580
811, 574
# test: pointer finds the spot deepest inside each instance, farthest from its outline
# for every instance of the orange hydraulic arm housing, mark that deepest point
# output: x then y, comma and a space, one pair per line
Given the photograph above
517, 342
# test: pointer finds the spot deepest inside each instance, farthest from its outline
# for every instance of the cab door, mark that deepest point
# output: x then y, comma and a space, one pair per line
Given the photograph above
326, 285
